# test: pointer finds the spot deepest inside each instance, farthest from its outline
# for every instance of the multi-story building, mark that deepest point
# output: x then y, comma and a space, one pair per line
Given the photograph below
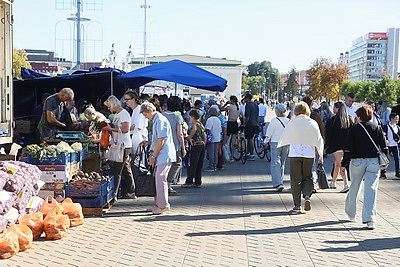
374, 56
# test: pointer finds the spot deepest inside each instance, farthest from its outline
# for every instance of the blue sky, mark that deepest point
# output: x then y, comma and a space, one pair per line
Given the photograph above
286, 32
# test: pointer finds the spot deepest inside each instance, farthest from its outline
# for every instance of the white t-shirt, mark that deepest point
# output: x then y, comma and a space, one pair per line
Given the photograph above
275, 129
351, 111
391, 141
301, 151
233, 112
262, 110
214, 125
119, 118
242, 108
139, 121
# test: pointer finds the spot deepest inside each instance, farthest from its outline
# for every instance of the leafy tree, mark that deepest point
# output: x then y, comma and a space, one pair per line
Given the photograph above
291, 84
20, 59
268, 76
325, 78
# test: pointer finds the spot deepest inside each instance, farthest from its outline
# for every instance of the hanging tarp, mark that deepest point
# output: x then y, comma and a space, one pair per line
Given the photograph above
174, 71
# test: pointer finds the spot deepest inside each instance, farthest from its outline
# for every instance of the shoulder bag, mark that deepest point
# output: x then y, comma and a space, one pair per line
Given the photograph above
116, 151
143, 174
382, 158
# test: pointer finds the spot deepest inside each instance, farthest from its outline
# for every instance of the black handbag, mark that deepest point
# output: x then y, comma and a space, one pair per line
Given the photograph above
145, 184
322, 179
382, 158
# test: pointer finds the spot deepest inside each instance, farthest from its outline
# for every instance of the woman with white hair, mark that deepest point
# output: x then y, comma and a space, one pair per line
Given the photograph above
163, 153
278, 155
121, 170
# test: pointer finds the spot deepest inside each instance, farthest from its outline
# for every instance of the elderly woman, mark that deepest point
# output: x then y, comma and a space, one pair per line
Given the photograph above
362, 155
303, 135
162, 154
138, 129
121, 170
94, 117
278, 155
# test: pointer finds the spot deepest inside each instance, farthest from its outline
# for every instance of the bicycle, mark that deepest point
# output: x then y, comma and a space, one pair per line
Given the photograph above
258, 141
238, 146
262, 150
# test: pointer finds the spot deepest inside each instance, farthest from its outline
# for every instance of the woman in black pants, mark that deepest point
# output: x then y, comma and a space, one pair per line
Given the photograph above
197, 138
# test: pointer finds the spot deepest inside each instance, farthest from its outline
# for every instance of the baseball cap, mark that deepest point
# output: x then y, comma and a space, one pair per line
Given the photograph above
281, 107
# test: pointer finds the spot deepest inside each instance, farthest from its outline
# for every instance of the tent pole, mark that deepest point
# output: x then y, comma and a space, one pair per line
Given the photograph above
176, 88
112, 84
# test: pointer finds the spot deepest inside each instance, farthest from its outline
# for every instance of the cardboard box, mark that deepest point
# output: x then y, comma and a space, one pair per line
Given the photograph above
25, 126
59, 195
56, 173
53, 186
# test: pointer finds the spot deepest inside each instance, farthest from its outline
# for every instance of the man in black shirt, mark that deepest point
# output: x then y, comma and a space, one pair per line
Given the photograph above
250, 124
396, 109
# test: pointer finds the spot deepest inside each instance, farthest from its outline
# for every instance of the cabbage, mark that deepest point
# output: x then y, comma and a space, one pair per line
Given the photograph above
63, 147
77, 146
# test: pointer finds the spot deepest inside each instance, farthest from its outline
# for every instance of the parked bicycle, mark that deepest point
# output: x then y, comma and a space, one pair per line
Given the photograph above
239, 147
261, 149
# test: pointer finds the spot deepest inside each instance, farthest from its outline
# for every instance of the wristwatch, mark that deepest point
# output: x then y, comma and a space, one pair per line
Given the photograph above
152, 156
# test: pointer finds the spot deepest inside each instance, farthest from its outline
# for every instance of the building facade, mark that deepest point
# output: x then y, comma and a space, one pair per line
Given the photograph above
374, 56
231, 70
344, 59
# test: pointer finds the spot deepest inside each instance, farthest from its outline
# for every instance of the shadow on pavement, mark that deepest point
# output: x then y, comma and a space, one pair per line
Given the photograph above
311, 227
365, 245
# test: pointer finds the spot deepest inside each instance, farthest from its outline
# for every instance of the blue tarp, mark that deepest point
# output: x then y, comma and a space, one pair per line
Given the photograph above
174, 71
28, 73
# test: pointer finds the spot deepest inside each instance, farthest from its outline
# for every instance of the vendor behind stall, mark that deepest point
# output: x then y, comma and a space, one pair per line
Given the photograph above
56, 116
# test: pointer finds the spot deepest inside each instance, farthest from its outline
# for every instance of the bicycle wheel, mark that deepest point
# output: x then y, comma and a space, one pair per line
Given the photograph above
258, 146
244, 150
236, 149
268, 152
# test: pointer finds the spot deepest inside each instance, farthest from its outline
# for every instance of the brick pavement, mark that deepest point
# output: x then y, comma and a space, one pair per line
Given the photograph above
235, 219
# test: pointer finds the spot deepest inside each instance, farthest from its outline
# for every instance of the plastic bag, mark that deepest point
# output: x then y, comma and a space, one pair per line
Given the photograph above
105, 139
49, 204
35, 222
226, 154
56, 224
9, 245
74, 212
25, 236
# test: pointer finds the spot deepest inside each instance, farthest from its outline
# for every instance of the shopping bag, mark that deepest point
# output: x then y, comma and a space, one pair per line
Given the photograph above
74, 212
209, 137
35, 222
226, 154
104, 139
56, 224
9, 245
116, 151
49, 204
25, 236
145, 185
322, 179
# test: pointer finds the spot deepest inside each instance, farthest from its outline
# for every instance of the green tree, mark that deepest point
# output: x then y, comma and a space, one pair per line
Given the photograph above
20, 59
269, 80
291, 84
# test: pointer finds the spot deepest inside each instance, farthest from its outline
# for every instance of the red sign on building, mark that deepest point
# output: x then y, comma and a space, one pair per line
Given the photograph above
377, 35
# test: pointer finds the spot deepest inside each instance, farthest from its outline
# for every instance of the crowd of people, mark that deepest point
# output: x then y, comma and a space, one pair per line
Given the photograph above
181, 135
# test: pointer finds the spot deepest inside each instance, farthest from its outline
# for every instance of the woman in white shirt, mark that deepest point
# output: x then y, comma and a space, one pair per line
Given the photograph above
278, 155
213, 126
138, 127
303, 135
121, 170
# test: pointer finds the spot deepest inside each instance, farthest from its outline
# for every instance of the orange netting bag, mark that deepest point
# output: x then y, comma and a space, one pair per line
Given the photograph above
33, 221
56, 224
49, 204
25, 236
74, 211
9, 245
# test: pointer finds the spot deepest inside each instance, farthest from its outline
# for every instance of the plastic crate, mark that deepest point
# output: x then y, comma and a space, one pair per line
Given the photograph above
81, 155
98, 190
60, 160
32, 160
74, 156
91, 202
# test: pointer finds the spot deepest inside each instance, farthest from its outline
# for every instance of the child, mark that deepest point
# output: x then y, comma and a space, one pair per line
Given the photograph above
197, 139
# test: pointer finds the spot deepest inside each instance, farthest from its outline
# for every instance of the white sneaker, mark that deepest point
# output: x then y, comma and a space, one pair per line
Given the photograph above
345, 189
332, 185
280, 188
371, 225
352, 219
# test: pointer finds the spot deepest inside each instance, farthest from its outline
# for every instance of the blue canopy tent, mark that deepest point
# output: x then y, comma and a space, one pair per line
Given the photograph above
174, 71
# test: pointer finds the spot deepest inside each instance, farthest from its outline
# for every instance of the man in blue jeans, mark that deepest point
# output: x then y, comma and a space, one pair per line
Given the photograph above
250, 124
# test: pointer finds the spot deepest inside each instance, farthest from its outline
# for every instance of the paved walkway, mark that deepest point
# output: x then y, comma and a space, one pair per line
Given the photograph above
235, 219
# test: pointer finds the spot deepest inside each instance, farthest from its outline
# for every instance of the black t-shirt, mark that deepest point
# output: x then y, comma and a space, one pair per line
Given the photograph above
251, 112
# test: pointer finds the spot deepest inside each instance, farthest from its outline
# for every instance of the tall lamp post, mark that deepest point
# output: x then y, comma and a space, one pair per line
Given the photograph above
145, 7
